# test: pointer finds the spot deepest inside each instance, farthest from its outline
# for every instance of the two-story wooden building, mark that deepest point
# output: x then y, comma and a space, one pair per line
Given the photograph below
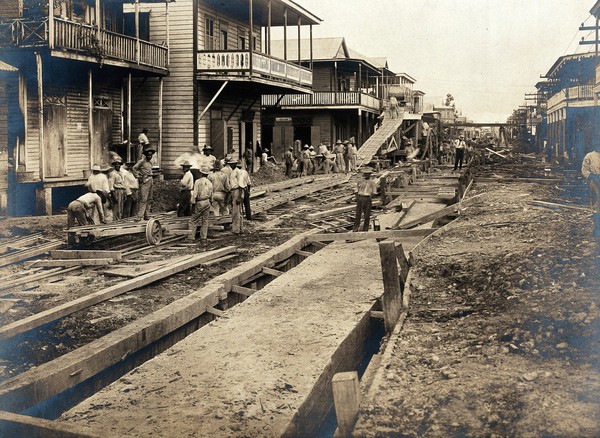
70, 99
345, 102
222, 60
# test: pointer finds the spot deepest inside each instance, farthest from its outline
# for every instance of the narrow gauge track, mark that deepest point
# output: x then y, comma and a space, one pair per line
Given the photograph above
56, 286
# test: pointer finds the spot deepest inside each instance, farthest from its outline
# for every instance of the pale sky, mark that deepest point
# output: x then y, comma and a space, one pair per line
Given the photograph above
486, 53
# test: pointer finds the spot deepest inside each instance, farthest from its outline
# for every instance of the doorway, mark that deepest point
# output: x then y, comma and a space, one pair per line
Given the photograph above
102, 132
55, 123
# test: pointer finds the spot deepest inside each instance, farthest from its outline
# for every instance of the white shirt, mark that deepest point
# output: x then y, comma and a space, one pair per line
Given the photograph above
591, 164
187, 181
244, 178
98, 182
234, 179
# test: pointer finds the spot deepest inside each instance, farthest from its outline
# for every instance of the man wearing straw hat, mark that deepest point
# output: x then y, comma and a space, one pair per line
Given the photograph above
202, 195
143, 170
236, 198
118, 189
365, 188
220, 182
186, 185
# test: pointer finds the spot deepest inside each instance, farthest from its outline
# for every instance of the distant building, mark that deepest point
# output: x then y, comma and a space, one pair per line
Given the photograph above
447, 113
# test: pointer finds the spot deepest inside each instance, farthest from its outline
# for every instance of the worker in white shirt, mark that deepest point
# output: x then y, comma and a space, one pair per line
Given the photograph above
590, 168
98, 181
220, 182
82, 208
186, 185
365, 189
132, 187
118, 189
244, 183
236, 195
459, 146
192, 156
202, 195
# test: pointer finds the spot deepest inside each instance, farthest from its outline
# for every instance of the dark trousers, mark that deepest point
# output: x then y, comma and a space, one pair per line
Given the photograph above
185, 203
460, 154
130, 205
363, 206
247, 203
76, 212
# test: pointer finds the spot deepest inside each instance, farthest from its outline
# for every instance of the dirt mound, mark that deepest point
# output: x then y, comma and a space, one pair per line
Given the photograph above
268, 174
166, 195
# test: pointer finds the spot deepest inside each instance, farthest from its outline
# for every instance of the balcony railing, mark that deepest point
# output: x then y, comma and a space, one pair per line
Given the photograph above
237, 62
81, 38
323, 99
581, 92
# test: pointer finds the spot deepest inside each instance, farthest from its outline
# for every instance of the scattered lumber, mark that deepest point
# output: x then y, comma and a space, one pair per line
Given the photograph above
384, 234
63, 310
35, 277
496, 153
71, 262
19, 242
85, 254
28, 253
557, 205
405, 209
430, 217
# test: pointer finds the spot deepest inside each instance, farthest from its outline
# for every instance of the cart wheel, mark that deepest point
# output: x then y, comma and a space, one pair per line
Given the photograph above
154, 232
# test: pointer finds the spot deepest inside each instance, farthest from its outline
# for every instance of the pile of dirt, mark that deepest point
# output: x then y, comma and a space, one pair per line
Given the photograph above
166, 195
502, 334
269, 173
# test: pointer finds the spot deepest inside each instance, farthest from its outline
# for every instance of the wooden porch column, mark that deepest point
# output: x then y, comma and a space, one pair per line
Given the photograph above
160, 120
268, 51
40, 90
97, 18
50, 24
251, 42
285, 25
358, 84
299, 45
195, 128
130, 145
137, 30
360, 129
90, 117
168, 32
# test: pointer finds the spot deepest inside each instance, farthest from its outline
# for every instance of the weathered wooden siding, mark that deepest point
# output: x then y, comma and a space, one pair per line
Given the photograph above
322, 78
12, 8
322, 120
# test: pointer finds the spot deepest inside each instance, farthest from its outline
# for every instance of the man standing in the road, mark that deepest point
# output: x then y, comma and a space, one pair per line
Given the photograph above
143, 170
244, 182
220, 182
118, 189
186, 185
203, 190
365, 189
459, 146
236, 197
590, 168
289, 161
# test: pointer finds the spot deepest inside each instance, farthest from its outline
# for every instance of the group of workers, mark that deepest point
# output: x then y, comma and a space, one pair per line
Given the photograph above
339, 158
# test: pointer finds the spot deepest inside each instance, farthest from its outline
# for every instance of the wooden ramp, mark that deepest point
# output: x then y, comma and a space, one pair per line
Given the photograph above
381, 136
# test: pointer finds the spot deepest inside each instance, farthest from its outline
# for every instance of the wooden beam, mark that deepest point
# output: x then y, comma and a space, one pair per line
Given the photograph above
26, 426
557, 205
273, 272
376, 314
71, 262
384, 234
241, 290
29, 323
40, 90
29, 253
391, 300
346, 399
35, 277
430, 217
207, 107
403, 264
85, 254
304, 253
215, 312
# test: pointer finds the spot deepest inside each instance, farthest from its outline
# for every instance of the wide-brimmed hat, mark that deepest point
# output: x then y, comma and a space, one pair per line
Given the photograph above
186, 164
232, 161
105, 167
217, 165
305, 146
117, 163
366, 170
338, 142
97, 168
205, 169
311, 148
207, 147
148, 150
346, 142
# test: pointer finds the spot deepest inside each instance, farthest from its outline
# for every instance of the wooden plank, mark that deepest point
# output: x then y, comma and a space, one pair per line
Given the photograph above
346, 399
46, 380
61, 311
405, 209
496, 153
304, 253
26, 426
332, 212
557, 205
29, 253
273, 272
391, 300
377, 314
430, 217
70, 262
245, 291
402, 263
35, 277
383, 234
219, 260
27, 240
215, 312
85, 254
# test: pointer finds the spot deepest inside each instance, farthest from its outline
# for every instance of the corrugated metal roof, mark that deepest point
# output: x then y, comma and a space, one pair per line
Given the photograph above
7, 67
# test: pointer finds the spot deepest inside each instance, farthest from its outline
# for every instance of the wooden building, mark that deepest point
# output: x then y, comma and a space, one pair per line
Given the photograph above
346, 98
571, 110
70, 101
221, 62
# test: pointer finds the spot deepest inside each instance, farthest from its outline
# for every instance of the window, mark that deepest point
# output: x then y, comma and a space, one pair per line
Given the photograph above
210, 41
224, 35
242, 43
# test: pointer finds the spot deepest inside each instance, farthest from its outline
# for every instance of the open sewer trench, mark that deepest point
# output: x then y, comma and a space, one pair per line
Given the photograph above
354, 353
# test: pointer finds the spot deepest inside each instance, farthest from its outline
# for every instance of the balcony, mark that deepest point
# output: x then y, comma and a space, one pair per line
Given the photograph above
580, 93
236, 65
326, 99
82, 39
